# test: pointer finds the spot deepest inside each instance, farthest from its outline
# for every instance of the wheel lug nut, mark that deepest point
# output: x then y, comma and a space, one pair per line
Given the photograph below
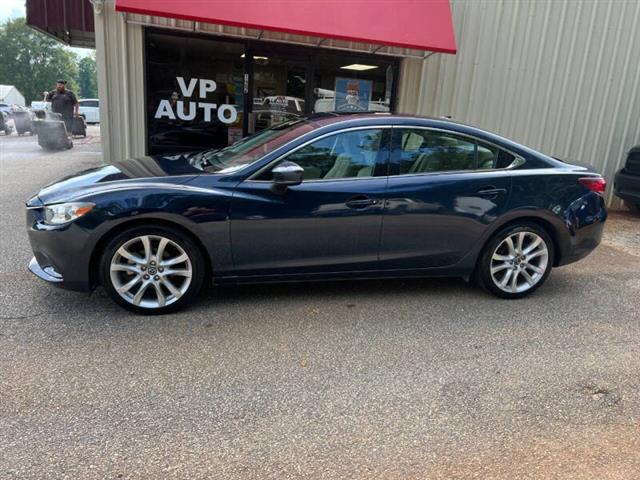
146, 277
143, 268
152, 262
161, 269
156, 277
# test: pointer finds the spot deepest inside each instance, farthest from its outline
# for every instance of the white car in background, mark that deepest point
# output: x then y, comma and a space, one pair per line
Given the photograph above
40, 105
90, 109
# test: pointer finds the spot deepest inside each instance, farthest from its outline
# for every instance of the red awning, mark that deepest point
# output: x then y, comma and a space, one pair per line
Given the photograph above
415, 24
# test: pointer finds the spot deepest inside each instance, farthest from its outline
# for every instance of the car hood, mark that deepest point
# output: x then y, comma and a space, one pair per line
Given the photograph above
164, 169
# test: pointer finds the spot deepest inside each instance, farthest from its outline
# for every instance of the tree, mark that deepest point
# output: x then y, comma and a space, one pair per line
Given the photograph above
32, 61
87, 78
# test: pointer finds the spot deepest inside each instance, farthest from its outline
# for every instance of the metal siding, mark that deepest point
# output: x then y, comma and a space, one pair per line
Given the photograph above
119, 54
559, 76
68, 20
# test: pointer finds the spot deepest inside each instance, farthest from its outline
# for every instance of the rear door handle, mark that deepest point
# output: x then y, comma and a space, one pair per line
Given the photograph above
491, 191
360, 201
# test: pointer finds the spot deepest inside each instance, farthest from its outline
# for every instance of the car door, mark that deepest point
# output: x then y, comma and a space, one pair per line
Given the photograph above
329, 223
444, 189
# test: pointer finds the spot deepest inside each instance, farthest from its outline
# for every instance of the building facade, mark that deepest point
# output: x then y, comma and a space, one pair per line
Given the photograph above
562, 77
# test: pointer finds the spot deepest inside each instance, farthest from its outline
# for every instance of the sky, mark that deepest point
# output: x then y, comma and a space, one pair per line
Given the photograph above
16, 8
11, 9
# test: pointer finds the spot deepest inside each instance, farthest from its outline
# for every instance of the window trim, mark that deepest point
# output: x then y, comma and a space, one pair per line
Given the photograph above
519, 160
272, 163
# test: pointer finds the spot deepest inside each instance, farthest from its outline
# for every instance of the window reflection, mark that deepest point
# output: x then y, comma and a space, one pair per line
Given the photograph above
346, 155
424, 151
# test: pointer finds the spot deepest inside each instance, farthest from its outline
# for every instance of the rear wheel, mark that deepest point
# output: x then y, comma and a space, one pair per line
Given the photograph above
152, 270
516, 261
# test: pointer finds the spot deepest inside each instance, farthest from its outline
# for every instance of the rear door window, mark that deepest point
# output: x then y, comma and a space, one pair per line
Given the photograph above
420, 151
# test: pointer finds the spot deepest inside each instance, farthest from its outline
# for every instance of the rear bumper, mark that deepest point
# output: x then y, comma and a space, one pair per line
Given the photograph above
627, 186
584, 225
582, 243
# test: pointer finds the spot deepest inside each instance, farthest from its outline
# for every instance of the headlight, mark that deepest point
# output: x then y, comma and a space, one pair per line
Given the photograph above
65, 212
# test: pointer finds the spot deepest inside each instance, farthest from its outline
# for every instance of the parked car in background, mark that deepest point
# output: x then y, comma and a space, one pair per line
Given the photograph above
40, 105
626, 183
90, 109
276, 109
323, 197
5, 126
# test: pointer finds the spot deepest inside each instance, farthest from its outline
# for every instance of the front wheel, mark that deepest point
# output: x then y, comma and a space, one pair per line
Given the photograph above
516, 261
152, 270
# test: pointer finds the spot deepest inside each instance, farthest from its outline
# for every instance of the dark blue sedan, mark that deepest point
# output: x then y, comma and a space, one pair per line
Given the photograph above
326, 197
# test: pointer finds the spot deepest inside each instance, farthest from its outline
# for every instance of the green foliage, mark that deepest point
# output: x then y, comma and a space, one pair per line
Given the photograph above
33, 62
87, 78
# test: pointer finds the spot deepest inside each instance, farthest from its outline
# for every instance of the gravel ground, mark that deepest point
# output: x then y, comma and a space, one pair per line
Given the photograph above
380, 379
623, 231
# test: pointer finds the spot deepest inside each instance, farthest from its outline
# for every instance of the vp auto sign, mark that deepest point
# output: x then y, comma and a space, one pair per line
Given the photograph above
225, 113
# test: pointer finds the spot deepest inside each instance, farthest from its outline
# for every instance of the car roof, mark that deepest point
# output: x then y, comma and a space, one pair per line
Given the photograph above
327, 118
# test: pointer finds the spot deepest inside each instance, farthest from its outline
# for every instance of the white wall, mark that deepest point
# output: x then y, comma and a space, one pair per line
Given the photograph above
560, 76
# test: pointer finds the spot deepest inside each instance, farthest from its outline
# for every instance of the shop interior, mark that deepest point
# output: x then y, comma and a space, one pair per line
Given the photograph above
265, 82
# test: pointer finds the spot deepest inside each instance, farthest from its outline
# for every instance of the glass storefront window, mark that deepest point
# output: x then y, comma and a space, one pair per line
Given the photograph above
345, 83
194, 92
279, 86
209, 92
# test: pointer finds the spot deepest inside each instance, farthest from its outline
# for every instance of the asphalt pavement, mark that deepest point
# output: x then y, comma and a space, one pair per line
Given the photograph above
395, 379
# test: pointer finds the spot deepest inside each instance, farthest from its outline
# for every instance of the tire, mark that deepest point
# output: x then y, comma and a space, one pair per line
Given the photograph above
124, 270
529, 262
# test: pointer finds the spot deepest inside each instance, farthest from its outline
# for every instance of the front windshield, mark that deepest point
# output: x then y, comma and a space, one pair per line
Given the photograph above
251, 148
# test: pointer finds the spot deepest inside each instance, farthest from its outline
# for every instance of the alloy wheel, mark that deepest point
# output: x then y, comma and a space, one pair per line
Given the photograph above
519, 262
150, 271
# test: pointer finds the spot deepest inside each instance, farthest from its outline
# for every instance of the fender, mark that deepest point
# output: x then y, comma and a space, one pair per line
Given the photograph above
558, 231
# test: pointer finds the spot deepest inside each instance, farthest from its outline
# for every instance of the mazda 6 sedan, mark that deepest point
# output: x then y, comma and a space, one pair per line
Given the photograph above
324, 197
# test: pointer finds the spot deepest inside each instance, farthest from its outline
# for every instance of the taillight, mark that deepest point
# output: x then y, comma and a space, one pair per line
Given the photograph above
595, 184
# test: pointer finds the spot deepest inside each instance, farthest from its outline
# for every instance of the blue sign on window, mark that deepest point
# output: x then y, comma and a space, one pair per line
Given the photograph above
352, 95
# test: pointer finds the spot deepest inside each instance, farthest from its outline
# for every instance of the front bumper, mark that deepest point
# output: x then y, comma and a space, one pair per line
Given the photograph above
48, 274
61, 254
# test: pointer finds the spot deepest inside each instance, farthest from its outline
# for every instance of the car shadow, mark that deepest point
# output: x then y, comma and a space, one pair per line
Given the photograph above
337, 289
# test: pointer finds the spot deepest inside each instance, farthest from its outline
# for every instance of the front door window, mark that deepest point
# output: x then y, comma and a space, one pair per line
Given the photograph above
352, 154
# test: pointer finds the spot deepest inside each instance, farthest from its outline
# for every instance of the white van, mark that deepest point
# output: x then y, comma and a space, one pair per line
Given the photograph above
90, 109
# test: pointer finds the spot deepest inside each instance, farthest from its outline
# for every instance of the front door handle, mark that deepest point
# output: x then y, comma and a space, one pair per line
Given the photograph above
491, 191
360, 201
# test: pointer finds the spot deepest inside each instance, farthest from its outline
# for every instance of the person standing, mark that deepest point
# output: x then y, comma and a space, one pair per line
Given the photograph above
64, 102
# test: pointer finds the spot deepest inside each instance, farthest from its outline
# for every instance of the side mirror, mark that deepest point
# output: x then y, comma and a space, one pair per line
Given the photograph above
287, 174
